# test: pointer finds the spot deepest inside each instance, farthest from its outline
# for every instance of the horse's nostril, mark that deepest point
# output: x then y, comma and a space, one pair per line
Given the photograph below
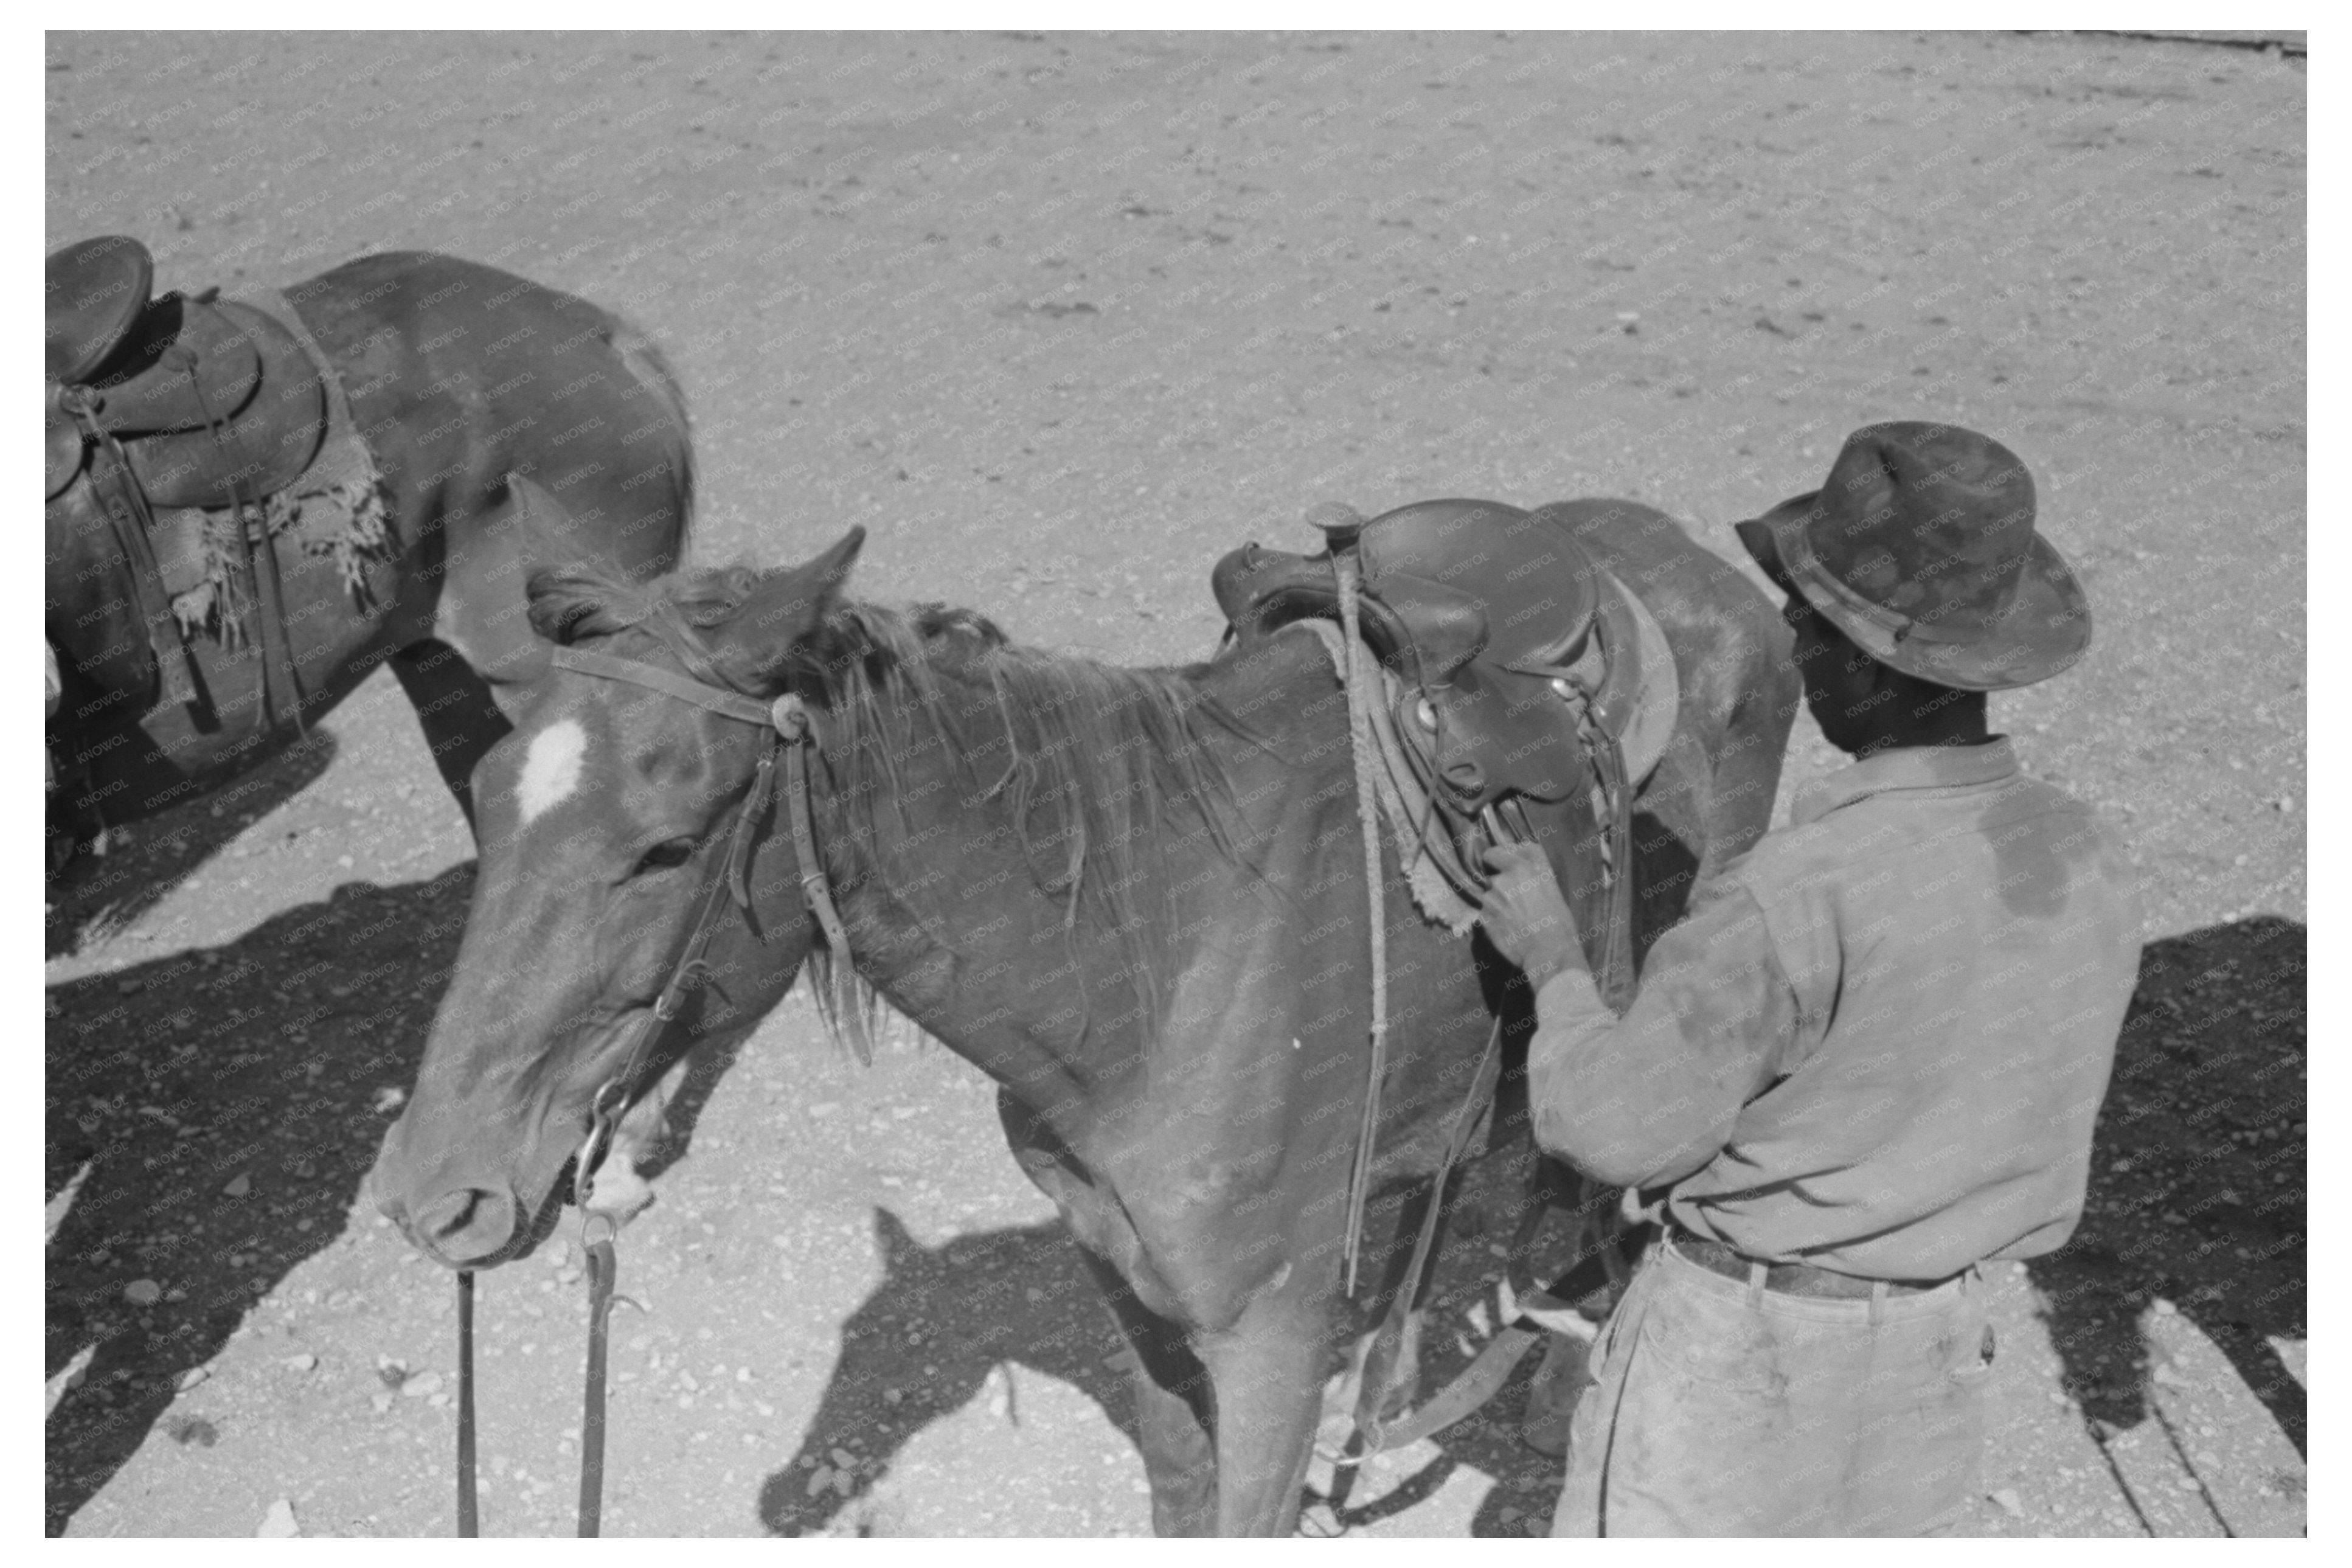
1463, 772
462, 1226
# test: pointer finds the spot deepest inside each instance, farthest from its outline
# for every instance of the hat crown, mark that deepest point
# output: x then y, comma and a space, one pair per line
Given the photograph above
1931, 523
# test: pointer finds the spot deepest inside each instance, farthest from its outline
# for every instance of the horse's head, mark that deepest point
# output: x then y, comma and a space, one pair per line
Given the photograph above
603, 821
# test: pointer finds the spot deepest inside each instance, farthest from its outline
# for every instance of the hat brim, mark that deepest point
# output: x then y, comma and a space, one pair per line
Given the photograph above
2045, 632
1762, 536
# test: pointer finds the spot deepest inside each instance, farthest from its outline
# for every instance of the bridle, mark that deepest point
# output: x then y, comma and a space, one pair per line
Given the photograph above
791, 735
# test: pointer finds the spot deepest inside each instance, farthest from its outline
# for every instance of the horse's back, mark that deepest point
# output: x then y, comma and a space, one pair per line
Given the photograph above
473, 373
461, 374
1713, 792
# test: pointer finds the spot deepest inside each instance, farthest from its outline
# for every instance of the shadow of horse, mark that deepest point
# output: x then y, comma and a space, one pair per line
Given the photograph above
2198, 1193
95, 897
928, 1341
211, 1117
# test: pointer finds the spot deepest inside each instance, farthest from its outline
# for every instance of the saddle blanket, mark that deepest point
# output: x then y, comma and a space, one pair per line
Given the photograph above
337, 508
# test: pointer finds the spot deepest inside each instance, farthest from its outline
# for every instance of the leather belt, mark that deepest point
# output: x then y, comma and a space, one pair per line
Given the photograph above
1792, 1279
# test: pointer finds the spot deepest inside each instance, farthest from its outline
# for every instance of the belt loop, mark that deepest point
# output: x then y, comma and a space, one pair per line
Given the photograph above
1756, 1273
1878, 1302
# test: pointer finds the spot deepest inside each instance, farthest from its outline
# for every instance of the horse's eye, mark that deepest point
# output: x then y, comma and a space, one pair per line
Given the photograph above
662, 857
1425, 712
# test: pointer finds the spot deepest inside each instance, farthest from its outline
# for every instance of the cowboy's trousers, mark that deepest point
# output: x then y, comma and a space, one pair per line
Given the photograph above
1717, 1407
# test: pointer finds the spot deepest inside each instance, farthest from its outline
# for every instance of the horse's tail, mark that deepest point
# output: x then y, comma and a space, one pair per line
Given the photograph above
646, 362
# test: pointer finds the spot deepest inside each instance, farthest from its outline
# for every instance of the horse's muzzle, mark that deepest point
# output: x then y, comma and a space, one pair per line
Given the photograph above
465, 1228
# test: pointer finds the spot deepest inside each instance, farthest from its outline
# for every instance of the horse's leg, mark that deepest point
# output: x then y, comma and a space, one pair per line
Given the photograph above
454, 708
1266, 1373
1170, 1399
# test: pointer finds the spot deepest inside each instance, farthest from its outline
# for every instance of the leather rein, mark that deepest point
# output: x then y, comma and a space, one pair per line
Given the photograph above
791, 735
1375, 1430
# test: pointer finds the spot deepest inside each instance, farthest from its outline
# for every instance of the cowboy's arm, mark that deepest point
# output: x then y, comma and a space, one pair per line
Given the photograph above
1650, 1098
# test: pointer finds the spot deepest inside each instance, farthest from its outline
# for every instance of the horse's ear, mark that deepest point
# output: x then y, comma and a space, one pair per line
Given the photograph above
571, 586
786, 605
543, 527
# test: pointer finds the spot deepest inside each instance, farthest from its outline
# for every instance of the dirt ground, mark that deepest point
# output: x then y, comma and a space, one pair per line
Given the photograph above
1060, 320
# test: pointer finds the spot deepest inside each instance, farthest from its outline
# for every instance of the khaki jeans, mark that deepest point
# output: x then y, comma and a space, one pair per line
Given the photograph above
1717, 1407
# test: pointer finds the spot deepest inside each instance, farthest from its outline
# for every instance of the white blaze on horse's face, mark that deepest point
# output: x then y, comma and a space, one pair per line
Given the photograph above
550, 768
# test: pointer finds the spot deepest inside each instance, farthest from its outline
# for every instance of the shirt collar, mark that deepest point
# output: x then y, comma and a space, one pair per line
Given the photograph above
1905, 767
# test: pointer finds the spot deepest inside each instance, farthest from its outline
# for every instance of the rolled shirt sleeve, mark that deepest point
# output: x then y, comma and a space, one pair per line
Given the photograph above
1652, 1097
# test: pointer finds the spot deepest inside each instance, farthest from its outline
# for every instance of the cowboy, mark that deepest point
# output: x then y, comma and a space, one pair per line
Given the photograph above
1870, 1059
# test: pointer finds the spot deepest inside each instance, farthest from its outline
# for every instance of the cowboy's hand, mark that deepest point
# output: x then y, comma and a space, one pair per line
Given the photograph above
1525, 916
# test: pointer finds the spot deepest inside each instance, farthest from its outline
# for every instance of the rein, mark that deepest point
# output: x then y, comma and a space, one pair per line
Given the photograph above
788, 732
1502, 822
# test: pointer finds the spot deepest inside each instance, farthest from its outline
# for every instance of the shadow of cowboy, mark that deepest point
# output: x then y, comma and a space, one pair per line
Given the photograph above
2197, 1193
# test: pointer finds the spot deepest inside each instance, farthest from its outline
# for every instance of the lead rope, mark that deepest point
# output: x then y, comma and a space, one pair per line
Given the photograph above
1342, 533
604, 1268
789, 723
470, 1519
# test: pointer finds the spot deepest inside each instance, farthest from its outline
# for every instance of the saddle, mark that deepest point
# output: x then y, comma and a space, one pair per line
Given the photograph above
212, 403
176, 403
1516, 650
1535, 692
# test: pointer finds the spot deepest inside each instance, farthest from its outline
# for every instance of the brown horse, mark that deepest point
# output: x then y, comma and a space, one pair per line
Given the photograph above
455, 376
1134, 898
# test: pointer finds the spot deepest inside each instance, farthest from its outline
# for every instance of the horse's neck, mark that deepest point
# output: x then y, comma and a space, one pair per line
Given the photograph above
947, 922
950, 923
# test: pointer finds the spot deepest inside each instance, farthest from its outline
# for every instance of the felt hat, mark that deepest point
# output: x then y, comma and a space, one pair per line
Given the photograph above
1921, 549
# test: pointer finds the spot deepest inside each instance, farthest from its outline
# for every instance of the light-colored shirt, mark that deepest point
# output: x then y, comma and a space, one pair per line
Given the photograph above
1879, 1042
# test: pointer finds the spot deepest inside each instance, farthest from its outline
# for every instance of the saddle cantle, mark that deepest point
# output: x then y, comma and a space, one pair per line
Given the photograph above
1508, 639
97, 291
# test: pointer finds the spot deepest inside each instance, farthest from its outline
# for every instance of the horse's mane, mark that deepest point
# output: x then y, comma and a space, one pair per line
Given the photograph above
1103, 768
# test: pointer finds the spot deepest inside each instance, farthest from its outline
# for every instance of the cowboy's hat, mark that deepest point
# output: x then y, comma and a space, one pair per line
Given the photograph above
1921, 549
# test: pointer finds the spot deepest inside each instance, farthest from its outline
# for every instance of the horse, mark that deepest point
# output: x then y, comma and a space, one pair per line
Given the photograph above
1135, 898
452, 375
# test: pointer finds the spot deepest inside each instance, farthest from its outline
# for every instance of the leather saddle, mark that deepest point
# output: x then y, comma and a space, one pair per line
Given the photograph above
1516, 650
210, 403
168, 405
1530, 683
